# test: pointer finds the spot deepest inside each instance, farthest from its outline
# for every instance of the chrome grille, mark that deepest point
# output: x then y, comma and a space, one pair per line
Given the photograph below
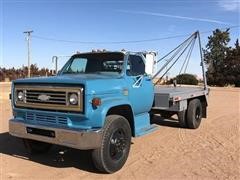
45, 119
55, 97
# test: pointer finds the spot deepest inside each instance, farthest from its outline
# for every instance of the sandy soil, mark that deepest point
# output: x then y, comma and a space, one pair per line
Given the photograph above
210, 152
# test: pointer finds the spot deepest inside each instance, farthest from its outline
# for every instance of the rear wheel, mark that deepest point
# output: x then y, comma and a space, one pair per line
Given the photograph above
194, 114
33, 146
182, 118
114, 150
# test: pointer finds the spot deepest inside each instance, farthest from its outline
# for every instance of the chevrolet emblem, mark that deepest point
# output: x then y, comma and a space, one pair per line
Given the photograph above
43, 97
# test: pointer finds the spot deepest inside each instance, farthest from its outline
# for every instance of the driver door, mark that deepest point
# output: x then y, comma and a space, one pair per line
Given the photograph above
140, 86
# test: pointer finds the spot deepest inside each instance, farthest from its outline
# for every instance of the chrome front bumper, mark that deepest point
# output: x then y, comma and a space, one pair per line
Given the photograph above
71, 138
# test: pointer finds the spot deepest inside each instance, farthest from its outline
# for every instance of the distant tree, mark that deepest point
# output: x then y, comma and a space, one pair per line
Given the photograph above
214, 56
231, 65
1, 74
22, 72
189, 79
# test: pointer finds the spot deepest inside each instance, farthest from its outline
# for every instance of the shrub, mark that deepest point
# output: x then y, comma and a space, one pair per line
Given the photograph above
186, 79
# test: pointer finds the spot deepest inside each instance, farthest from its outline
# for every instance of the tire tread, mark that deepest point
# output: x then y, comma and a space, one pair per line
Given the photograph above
98, 154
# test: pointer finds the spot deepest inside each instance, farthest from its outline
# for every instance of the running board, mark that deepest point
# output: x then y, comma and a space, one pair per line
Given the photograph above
147, 130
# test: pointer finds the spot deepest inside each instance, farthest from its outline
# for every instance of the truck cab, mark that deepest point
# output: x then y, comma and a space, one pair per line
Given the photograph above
97, 101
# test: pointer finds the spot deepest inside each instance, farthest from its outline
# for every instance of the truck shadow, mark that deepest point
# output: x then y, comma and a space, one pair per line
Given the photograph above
171, 122
58, 156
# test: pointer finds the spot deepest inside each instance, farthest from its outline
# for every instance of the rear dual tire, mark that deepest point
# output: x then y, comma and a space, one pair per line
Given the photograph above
191, 118
182, 119
194, 114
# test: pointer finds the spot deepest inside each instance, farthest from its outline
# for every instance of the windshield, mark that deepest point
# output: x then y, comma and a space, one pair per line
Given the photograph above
95, 63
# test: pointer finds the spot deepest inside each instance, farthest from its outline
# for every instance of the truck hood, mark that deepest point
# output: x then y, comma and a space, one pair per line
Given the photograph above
66, 79
93, 83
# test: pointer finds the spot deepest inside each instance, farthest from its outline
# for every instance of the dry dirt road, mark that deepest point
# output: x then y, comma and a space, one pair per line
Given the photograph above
210, 152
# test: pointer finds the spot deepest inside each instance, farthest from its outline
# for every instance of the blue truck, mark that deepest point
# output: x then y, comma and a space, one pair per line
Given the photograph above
98, 101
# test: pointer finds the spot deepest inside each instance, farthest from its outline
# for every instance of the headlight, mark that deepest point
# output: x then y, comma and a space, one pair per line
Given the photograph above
20, 96
73, 99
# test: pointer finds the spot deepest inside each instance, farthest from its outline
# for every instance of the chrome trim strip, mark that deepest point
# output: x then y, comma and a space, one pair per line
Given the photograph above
79, 139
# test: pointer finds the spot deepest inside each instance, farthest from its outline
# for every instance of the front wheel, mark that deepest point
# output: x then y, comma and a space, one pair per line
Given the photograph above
115, 147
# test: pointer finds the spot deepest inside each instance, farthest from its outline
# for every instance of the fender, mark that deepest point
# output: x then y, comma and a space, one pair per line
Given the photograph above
99, 113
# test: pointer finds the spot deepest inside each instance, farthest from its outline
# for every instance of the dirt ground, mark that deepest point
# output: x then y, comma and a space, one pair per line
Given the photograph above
210, 152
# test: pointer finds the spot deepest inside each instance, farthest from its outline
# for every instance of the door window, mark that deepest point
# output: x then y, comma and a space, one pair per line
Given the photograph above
135, 66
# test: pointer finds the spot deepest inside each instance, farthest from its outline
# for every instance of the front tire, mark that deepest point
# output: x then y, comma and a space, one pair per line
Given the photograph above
194, 114
115, 147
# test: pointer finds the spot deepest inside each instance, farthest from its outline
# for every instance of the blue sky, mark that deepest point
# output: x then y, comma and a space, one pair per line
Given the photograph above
104, 21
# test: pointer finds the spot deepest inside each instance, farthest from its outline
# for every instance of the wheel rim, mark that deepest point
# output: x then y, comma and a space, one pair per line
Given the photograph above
198, 114
117, 144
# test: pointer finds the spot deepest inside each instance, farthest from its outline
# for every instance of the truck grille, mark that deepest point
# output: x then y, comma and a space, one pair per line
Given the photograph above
48, 98
37, 118
55, 97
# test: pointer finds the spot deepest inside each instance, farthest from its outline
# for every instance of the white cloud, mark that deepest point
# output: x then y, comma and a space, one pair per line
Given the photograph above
174, 16
230, 5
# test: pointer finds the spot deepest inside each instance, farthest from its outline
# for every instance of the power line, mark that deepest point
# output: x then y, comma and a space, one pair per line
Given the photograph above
108, 1
126, 42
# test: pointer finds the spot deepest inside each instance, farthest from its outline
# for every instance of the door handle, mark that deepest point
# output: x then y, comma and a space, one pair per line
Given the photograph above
148, 79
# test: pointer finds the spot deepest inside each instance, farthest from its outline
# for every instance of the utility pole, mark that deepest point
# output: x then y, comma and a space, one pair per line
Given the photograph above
55, 60
28, 45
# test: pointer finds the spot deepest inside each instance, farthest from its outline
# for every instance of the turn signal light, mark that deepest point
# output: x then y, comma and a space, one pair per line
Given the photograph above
96, 101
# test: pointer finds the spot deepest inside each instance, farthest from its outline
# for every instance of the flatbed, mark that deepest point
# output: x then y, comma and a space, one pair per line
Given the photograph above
169, 100
179, 90
165, 96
